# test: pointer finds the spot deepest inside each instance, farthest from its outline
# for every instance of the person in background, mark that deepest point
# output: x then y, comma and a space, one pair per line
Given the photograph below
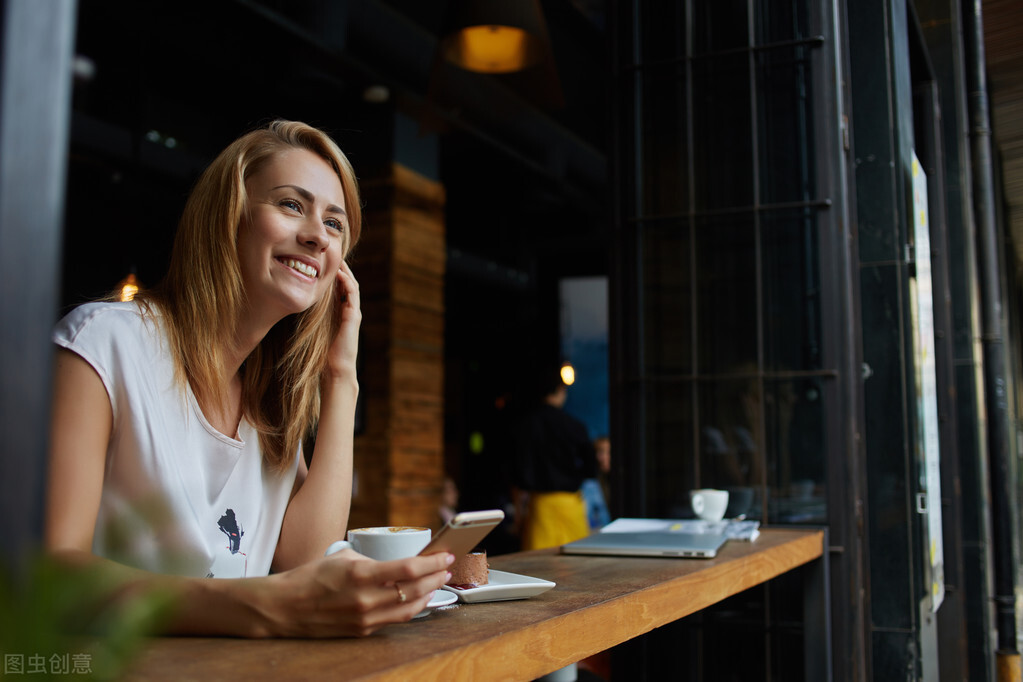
596, 490
176, 458
602, 445
552, 456
448, 501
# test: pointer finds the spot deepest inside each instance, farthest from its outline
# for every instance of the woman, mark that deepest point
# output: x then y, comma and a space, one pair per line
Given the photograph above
178, 418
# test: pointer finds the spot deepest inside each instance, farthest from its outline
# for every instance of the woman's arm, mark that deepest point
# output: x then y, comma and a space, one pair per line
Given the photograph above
80, 426
318, 513
344, 595
341, 595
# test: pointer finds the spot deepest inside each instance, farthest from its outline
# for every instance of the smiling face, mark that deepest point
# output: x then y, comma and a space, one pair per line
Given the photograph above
292, 237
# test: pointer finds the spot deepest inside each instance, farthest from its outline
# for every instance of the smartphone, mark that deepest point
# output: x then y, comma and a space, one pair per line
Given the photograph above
464, 532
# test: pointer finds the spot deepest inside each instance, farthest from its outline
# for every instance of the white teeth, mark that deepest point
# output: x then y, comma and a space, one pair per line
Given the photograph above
305, 269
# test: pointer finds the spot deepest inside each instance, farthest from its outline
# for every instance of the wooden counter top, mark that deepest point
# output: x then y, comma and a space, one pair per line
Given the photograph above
598, 602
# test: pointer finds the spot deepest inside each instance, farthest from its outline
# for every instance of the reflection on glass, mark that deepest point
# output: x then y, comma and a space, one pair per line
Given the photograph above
731, 452
669, 437
794, 418
764, 435
730, 435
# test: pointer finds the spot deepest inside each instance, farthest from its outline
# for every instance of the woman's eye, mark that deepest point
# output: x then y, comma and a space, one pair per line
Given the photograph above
334, 225
290, 203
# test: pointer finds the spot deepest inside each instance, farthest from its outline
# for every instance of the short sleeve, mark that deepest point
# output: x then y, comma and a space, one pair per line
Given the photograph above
111, 337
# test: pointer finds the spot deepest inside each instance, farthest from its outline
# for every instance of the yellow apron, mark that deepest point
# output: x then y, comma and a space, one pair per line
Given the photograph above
554, 519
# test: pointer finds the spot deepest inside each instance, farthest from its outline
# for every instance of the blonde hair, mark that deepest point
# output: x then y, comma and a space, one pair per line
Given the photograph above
202, 295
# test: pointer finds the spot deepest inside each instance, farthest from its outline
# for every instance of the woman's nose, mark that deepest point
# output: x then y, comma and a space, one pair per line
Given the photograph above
314, 233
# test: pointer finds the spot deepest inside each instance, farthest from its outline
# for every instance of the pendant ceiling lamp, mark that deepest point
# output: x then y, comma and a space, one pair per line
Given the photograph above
494, 36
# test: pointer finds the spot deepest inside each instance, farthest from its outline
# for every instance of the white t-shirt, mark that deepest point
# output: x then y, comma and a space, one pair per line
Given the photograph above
179, 497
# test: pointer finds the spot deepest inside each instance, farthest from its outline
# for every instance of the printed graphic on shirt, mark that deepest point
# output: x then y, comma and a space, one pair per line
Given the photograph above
230, 561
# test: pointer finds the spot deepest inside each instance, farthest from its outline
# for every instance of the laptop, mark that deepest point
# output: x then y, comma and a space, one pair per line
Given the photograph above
651, 543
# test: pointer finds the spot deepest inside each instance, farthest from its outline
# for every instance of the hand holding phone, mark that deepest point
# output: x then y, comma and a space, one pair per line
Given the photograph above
464, 532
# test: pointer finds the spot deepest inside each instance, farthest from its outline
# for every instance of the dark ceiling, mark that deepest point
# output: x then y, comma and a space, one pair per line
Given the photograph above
169, 83
163, 85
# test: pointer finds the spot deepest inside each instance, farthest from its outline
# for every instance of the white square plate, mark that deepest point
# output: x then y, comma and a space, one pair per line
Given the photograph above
502, 587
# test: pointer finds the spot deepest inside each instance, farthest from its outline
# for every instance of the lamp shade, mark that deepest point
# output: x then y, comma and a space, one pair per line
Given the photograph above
494, 36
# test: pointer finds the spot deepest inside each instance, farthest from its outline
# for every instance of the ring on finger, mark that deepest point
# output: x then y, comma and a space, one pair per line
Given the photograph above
401, 595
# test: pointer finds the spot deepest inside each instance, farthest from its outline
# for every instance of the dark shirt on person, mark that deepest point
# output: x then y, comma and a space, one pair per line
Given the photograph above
553, 452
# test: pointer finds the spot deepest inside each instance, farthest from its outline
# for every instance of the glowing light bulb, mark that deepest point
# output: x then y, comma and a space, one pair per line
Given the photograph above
129, 287
568, 374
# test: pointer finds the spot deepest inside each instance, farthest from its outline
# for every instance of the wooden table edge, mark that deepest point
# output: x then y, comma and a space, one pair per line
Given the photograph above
656, 605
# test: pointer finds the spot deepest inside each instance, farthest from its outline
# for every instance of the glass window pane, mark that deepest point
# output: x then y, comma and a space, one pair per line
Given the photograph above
787, 154
726, 296
667, 298
669, 434
781, 20
731, 444
662, 153
791, 290
722, 136
794, 418
719, 25
662, 29
630, 145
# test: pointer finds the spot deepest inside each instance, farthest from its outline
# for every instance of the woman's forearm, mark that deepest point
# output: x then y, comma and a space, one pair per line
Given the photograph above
318, 513
343, 595
208, 606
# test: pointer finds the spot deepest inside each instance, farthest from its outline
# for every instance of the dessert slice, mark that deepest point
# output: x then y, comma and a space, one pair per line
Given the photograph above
470, 571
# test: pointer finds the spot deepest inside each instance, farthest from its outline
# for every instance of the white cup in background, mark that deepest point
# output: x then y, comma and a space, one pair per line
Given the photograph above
709, 504
385, 543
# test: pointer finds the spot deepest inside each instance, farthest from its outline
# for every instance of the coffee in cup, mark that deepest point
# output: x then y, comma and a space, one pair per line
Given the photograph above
385, 543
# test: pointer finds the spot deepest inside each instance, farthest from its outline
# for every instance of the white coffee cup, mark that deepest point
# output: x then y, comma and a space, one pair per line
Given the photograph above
709, 504
385, 543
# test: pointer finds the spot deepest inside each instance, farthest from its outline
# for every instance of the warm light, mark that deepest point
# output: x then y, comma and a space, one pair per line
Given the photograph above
567, 374
129, 287
493, 49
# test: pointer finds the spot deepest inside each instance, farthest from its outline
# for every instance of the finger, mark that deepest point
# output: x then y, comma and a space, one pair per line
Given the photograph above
413, 568
392, 610
421, 590
374, 585
347, 287
409, 598
347, 277
417, 576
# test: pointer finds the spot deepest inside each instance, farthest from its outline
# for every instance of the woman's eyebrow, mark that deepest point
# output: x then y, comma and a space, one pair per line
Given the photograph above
308, 196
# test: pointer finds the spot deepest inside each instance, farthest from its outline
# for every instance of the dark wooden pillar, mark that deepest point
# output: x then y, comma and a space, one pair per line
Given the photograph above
400, 264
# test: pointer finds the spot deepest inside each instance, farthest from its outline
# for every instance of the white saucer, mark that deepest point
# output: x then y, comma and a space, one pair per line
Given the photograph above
503, 586
440, 598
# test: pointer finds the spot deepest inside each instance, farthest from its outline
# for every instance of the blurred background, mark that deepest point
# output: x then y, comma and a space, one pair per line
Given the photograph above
779, 243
